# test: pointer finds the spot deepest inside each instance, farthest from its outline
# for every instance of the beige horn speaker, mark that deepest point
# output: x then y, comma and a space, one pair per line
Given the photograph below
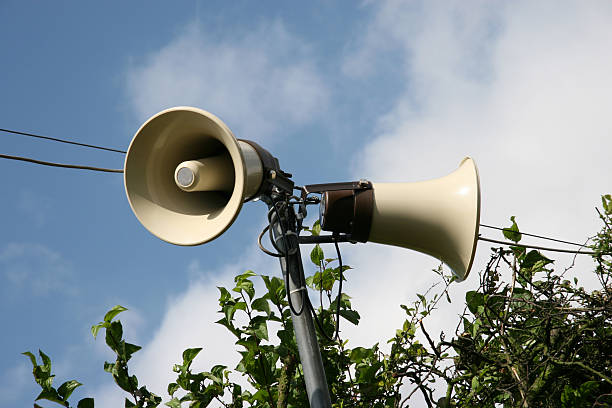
186, 175
438, 217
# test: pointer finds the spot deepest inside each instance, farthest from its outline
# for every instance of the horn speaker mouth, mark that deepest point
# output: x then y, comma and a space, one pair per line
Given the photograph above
163, 142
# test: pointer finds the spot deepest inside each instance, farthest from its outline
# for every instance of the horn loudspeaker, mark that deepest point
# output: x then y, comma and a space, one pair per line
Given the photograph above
439, 217
186, 175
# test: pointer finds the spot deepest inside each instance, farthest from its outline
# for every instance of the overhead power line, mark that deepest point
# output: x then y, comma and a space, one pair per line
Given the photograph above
570, 251
55, 139
52, 164
532, 235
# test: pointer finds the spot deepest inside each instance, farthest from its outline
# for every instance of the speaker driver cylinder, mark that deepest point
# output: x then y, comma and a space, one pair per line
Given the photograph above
214, 173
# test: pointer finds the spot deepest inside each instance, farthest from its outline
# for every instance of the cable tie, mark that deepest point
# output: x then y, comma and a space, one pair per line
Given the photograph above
285, 235
303, 288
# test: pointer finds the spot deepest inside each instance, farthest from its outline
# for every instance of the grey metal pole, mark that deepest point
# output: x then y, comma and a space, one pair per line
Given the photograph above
308, 346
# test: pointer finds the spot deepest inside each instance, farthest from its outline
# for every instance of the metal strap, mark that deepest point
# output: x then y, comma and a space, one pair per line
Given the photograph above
347, 185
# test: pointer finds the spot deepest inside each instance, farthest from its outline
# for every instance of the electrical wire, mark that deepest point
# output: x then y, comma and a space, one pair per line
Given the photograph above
532, 235
539, 247
303, 201
267, 252
317, 318
272, 240
52, 164
286, 254
54, 139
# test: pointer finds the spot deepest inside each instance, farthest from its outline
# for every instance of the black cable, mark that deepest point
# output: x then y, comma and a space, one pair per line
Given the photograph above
276, 255
539, 247
54, 139
316, 317
532, 235
318, 322
305, 299
68, 166
272, 240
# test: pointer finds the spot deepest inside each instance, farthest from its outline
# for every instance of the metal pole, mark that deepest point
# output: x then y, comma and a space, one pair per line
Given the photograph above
308, 346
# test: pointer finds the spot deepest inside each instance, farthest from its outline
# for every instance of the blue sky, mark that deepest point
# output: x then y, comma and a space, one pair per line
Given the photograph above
390, 90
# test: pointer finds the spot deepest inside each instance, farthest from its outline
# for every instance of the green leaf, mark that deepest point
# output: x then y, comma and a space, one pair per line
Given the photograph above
86, 403
588, 388
244, 276
534, 257
66, 389
173, 403
217, 371
275, 288
46, 361
350, 315
328, 279
225, 295
512, 233
317, 255
344, 269
261, 304
95, 329
247, 286
606, 200
367, 373
475, 383
129, 404
130, 349
110, 315
316, 228
50, 395
124, 381
260, 328
287, 337
236, 393
314, 281
359, 354
475, 327
110, 367
172, 388
474, 299
229, 326
32, 358
114, 333
567, 396
518, 250
189, 354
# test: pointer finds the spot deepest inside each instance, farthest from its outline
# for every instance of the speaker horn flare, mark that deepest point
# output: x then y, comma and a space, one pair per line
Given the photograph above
438, 217
186, 175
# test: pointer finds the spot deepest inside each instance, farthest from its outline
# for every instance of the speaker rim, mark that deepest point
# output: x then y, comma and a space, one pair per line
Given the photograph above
233, 206
477, 226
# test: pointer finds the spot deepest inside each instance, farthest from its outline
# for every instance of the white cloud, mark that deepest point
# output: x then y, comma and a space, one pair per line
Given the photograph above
525, 89
187, 323
257, 81
538, 114
36, 268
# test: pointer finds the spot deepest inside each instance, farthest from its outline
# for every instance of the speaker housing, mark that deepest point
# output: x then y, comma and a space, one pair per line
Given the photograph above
175, 136
438, 217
